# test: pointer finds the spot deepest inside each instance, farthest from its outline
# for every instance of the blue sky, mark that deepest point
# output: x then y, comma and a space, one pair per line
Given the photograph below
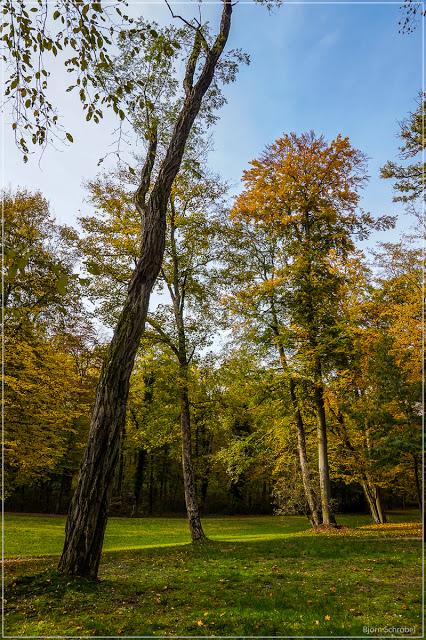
336, 68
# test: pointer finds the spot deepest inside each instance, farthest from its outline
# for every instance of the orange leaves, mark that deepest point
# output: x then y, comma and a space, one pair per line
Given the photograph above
297, 175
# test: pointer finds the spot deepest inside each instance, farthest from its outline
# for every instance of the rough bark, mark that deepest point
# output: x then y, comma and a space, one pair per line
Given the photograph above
87, 517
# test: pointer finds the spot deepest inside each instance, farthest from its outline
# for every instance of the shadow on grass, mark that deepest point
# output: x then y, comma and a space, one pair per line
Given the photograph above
310, 585
298, 548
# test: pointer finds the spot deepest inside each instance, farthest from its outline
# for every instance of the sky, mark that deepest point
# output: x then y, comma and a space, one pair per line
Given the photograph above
334, 68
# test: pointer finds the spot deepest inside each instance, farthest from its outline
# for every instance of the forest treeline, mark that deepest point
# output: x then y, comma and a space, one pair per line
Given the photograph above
281, 362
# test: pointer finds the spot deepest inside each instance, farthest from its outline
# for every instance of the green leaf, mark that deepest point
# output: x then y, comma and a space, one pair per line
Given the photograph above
61, 285
93, 268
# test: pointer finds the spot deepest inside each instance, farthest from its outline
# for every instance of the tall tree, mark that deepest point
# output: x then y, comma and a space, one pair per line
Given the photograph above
256, 293
46, 399
308, 190
183, 325
87, 517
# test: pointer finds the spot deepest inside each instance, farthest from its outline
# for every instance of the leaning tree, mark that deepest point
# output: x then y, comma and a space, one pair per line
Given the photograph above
86, 31
88, 512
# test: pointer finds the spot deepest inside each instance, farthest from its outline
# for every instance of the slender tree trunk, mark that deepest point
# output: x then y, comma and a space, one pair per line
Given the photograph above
205, 470
87, 517
303, 459
369, 494
178, 294
163, 477
417, 481
151, 482
61, 493
311, 498
121, 463
379, 505
324, 473
138, 483
203, 491
194, 520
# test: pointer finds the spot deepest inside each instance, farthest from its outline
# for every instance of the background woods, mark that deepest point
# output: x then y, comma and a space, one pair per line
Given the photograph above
279, 363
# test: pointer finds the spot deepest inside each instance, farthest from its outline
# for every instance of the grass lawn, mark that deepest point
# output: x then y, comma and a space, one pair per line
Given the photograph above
256, 576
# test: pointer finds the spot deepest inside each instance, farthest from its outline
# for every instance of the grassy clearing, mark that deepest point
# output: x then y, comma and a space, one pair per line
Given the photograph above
257, 576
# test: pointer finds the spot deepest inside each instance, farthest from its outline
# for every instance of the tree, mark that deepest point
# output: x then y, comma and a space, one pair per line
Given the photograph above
89, 508
183, 325
38, 278
409, 179
46, 399
412, 12
373, 399
153, 422
46, 408
308, 190
256, 293
81, 33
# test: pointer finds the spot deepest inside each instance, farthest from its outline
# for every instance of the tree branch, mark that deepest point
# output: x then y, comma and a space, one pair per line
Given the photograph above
141, 193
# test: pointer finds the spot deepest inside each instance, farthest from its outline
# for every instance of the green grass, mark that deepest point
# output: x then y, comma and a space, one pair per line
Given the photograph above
257, 576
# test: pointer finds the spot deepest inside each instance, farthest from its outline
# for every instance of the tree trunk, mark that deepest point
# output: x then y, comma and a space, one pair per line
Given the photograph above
151, 483
138, 482
303, 458
368, 492
310, 496
324, 473
379, 505
120, 476
194, 520
417, 480
60, 494
87, 517
163, 477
